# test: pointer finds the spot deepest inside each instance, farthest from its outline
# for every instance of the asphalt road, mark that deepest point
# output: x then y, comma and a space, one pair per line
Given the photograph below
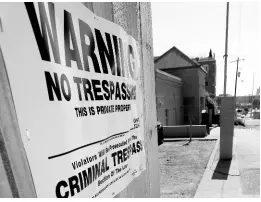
248, 156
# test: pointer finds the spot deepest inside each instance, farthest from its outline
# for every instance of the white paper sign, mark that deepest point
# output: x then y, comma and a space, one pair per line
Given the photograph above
77, 93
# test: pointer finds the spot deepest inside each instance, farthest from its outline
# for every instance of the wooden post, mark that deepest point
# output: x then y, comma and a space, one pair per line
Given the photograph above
12, 150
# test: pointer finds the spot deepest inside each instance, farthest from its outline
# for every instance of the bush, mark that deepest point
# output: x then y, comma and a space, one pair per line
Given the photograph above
246, 110
256, 103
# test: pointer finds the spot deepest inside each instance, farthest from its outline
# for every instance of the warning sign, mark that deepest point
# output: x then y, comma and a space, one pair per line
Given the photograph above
75, 81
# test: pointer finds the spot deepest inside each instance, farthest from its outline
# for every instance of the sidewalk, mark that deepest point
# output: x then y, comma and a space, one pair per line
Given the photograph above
235, 178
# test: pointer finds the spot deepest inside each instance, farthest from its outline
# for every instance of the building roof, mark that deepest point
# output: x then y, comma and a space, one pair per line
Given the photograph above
190, 63
167, 79
207, 59
178, 52
155, 58
169, 75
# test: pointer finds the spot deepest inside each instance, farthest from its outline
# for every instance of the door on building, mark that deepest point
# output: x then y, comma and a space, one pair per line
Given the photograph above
167, 117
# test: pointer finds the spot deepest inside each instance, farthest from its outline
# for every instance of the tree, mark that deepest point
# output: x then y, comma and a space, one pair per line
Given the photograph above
210, 54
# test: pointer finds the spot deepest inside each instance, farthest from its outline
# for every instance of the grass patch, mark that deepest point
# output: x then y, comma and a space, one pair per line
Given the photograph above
182, 167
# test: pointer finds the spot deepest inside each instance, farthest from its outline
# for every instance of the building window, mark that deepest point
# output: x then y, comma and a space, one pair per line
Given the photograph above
206, 83
206, 68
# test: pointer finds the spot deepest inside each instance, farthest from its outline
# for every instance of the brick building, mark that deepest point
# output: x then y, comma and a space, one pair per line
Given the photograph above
192, 75
209, 64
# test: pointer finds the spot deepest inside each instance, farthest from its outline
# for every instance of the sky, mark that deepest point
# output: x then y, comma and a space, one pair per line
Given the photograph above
195, 28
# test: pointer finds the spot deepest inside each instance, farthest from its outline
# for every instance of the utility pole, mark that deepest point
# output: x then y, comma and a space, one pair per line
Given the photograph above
236, 76
227, 112
225, 68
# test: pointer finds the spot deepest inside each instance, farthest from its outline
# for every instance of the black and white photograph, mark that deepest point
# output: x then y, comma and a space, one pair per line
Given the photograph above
130, 100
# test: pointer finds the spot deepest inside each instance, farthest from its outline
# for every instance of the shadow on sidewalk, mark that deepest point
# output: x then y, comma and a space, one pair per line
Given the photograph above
221, 171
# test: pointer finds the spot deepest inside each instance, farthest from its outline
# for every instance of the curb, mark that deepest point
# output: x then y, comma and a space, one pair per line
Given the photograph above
212, 156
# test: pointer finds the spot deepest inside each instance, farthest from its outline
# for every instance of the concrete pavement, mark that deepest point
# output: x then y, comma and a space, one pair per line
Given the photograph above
248, 154
240, 177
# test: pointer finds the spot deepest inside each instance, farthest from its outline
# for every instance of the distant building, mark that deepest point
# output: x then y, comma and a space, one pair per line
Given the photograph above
258, 91
209, 64
246, 99
241, 100
192, 75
